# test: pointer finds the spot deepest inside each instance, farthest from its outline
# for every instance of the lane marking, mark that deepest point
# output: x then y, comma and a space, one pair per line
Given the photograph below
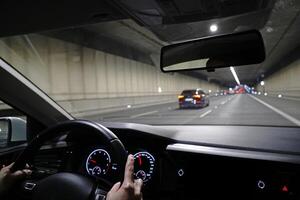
143, 114
283, 114
216, 107
223, 102
206, 113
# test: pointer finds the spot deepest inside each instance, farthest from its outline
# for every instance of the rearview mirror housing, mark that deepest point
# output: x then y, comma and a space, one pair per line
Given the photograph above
236, 49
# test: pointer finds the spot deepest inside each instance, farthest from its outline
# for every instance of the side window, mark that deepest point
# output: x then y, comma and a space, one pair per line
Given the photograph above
200, 92
12, 127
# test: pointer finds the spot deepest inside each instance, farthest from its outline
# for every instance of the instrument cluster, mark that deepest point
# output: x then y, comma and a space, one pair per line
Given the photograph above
99, 164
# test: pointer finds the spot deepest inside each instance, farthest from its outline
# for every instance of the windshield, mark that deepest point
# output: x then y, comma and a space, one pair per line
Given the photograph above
110, 72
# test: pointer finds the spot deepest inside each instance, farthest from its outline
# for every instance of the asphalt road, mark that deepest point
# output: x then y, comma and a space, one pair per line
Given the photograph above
240, 109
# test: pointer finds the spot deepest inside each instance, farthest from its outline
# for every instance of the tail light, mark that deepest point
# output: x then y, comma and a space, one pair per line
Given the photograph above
197, 97
180, 98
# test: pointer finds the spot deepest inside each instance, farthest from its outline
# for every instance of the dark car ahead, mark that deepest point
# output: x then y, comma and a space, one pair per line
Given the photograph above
195, 98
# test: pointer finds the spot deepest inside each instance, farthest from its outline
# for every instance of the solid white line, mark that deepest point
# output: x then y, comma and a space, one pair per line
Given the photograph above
206, 113
283, 114
143, 114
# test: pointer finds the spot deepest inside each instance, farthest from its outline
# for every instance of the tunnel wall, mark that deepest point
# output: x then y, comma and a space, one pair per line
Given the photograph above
87, 81
285, 82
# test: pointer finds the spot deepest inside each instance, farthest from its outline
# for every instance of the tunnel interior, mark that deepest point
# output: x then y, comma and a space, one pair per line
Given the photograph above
106, 59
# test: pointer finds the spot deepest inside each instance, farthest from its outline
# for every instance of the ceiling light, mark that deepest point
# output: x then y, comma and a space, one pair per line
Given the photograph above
159, 89
213, 28
280, 96
235, 75
262, 83
269, 29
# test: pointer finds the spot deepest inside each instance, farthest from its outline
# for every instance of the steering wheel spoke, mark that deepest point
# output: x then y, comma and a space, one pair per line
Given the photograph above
100, 194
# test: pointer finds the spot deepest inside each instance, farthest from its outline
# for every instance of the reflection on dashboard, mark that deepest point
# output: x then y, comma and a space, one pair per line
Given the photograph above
144, 164
98, 162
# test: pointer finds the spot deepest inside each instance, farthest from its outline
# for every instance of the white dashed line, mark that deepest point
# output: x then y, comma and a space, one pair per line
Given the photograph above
283, 114
223, 102
143, 114
206, 113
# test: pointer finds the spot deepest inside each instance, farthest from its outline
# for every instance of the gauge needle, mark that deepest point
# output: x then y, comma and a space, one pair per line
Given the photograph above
93, 161
140, 160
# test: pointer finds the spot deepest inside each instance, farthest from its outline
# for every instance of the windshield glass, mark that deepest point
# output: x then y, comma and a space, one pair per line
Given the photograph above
110, 72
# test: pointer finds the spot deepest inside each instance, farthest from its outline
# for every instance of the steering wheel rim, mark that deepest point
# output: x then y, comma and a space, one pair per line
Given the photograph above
90, 128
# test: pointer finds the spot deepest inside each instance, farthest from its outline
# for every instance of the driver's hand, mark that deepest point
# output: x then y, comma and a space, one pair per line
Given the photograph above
7, 178
130, 189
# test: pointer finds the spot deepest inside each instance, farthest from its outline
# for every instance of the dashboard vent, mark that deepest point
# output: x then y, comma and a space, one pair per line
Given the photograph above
49, 161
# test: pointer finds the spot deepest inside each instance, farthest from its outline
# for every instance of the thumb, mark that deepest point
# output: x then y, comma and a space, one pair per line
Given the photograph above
116, 187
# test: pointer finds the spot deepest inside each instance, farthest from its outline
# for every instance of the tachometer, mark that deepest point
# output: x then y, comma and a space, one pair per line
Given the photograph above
98, 163
143, 166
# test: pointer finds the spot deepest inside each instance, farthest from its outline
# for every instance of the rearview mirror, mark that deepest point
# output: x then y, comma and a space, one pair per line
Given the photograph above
214, 52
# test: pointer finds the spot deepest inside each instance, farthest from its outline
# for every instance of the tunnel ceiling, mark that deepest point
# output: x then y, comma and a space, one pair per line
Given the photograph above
279, 23
154, 24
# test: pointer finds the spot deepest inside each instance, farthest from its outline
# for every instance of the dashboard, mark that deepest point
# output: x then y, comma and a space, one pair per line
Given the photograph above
190, 168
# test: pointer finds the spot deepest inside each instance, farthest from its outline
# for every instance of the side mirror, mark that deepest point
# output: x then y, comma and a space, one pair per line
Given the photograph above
12, 131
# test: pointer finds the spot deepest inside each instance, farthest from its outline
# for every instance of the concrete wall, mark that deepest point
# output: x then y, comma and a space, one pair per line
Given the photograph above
86, 81
285, 82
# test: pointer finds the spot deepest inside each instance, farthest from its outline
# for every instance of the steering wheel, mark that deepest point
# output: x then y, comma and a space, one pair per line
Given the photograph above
70, 186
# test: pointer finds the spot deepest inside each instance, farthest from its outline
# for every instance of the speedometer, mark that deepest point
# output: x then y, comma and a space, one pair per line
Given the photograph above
143, 166
98, 163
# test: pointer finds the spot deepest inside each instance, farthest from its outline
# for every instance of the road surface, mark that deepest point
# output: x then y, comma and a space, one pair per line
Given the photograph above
240, 109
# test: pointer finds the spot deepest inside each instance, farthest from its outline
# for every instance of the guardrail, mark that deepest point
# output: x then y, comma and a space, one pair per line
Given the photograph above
293, 94
89, 107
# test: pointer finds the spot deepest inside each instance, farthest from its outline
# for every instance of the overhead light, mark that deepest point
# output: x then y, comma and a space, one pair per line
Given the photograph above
235, 75
262, 83
128, 106
213, 28
259, 93
280, 96
266, 94
209, 91
159, 90
269, 29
